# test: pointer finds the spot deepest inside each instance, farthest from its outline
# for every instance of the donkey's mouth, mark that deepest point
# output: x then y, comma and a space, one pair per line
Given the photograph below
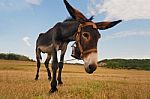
89, 71
91, 68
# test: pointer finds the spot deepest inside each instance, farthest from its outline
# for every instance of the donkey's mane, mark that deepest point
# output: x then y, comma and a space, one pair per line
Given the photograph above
69, 19
72, 19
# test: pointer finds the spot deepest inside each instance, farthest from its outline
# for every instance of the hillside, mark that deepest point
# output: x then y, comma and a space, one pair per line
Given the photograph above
140, 64
13, 56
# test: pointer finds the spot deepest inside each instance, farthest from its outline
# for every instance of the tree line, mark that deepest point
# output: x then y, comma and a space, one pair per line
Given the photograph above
13, 56
141, 64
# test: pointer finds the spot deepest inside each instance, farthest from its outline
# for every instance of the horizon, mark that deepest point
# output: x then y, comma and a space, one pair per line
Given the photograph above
23, 20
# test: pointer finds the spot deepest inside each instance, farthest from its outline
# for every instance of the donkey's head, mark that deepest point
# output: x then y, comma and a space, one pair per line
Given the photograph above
87, 37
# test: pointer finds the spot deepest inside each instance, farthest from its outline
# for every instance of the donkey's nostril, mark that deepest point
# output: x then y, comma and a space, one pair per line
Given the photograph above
92, 67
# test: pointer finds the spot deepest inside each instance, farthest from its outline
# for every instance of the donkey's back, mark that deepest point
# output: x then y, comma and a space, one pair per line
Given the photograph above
44, 39
47, 39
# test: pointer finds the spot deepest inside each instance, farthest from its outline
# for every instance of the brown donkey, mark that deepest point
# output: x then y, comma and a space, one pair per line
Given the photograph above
79, 29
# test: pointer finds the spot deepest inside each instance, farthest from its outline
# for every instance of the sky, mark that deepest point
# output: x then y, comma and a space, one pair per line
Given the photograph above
21, 21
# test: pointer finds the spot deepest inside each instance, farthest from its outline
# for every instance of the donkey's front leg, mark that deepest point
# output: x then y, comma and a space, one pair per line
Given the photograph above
54, 69
59, 73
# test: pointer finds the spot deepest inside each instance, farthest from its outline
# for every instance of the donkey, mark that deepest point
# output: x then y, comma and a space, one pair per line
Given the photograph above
79, 29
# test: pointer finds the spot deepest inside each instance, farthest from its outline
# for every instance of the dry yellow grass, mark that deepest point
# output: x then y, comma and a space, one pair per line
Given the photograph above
17, 82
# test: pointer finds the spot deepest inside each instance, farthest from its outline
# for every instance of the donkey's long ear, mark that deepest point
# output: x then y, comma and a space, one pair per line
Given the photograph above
77, 15
106, 25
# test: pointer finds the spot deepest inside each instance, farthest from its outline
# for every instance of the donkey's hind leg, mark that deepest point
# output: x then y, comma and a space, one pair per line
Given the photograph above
61, 63
38, 57
47, 65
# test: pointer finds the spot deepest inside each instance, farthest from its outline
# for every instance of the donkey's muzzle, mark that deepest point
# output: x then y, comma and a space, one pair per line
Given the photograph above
90, 62
91, 68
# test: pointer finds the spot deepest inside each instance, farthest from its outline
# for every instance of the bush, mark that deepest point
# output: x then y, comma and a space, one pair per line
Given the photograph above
140, 64
12, 56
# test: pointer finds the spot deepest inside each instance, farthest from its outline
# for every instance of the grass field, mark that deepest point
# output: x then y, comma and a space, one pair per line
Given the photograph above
17, 82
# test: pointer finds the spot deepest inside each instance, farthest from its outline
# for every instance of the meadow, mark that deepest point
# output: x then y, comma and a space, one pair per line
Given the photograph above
17, 82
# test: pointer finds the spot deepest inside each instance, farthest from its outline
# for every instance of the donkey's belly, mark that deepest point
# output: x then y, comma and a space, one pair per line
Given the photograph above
46, 49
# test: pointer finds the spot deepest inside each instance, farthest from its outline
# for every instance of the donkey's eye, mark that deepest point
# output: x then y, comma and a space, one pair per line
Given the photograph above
86, 35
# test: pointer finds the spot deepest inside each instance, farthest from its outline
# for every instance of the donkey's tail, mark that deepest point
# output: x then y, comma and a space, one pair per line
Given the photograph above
38, 53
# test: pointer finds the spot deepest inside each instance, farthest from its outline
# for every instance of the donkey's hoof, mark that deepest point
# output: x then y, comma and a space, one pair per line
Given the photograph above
49, 78
60, 83
36, 78
53, 90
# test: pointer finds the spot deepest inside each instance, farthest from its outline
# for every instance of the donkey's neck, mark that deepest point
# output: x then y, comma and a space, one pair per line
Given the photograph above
69, 29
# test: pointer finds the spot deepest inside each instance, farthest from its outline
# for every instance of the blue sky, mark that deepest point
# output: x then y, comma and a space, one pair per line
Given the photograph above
21, 21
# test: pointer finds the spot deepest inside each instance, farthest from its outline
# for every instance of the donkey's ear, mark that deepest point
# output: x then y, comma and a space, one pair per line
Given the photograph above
106, 25
77, 15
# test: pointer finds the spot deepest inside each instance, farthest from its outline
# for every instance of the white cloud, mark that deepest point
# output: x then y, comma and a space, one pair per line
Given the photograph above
34, 2
26, 40
121, 9
93, 6
127, 34
12, 5
18, 5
